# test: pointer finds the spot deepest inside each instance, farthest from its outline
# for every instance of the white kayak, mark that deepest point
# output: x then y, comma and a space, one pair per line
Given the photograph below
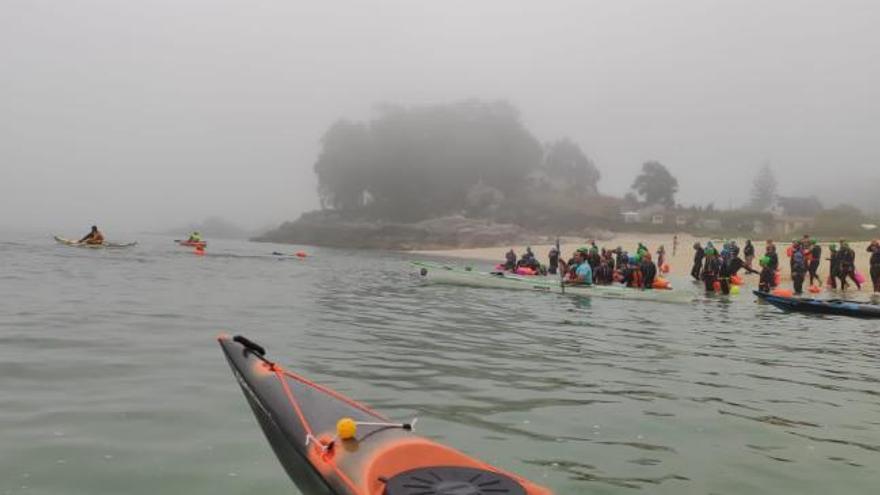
109, 245
442, 274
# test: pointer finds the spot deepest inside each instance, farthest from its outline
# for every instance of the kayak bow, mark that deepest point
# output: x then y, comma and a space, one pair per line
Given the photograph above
332, 445
841, 307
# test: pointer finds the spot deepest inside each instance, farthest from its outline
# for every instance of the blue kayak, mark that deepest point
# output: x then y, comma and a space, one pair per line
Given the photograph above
841, 307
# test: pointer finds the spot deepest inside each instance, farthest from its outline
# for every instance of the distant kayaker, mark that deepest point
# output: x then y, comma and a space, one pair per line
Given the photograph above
195, 237
93, 237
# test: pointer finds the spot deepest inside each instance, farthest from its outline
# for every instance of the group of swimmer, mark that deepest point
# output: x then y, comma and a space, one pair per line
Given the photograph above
717, 268
591, 265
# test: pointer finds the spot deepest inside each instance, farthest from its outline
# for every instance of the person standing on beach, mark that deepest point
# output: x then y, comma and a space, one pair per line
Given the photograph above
674, 245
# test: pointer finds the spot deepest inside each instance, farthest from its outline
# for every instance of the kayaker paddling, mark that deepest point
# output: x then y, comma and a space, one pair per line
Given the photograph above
94, 237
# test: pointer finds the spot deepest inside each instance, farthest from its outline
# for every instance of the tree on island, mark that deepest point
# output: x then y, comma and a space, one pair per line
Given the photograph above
656, 184
763, 189
565, 163
413, 163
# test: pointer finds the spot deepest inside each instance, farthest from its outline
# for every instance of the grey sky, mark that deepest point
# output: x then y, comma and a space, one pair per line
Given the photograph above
152, 114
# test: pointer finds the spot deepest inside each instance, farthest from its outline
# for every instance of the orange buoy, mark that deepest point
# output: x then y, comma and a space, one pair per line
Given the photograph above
736, 280
716, 286
814, 289
782, 292
199, 250
300, 254
661, 283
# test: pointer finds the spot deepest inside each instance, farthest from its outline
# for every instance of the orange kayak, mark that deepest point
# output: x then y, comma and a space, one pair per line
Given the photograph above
332, 445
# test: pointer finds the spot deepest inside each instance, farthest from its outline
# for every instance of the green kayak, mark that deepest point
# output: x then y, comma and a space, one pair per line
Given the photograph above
444, 274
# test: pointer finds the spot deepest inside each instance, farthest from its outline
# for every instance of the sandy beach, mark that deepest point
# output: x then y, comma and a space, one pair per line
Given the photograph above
680, 262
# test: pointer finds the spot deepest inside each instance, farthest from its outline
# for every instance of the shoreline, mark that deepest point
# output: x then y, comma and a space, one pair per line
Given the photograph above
680, 263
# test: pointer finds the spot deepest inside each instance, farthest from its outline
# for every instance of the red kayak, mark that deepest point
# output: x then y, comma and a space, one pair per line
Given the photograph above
332, 445
189, 243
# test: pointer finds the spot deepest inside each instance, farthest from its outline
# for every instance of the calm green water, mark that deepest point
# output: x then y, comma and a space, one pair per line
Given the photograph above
112, 382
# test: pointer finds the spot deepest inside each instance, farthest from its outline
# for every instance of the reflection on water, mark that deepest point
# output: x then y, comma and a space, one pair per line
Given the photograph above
112, 382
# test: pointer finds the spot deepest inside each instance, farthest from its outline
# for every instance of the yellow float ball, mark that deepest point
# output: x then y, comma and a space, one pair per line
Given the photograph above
346, 428
734, 290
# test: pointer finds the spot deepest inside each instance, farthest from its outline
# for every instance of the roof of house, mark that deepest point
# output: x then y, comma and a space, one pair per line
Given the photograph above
800, 206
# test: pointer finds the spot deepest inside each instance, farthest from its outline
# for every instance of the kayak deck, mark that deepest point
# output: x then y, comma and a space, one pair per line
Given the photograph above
300, 419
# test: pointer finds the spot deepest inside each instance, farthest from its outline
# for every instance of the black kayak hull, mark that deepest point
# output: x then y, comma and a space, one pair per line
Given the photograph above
292, 459
837, 307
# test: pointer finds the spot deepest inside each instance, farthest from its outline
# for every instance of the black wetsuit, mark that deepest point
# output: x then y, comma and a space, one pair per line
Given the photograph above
833, 269
848, 266
798, 272
875, 266
749, 253
620, 259
699, 254
711, 270
774, 261
554, 262
594, 260
510, 263
604, 274
768, 279
649, 273
813, 268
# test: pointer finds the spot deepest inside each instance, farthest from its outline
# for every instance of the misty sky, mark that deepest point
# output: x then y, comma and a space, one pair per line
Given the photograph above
151, 114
